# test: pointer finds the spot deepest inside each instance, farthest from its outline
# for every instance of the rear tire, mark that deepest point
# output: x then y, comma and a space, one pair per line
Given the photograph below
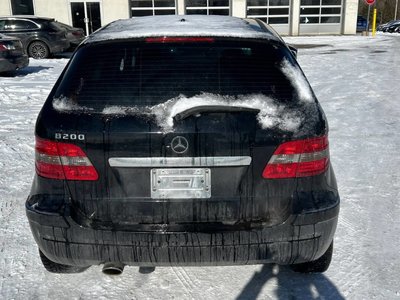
53, 267
38, 50
317, 266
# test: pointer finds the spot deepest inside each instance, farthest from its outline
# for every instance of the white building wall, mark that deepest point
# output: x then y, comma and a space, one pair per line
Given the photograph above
5, 8
57, 9
294, 17
350, 8
180, 6
239, 8
113, 10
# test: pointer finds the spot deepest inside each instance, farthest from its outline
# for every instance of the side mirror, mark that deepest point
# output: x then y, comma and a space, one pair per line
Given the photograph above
293, 50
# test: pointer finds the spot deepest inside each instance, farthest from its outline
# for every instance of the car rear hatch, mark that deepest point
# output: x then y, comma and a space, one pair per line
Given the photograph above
179, 132
197, 173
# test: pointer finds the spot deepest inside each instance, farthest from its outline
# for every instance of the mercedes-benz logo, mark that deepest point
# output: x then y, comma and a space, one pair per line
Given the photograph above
179, 144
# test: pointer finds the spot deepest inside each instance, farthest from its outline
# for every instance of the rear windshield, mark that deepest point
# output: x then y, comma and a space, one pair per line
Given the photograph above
140, 74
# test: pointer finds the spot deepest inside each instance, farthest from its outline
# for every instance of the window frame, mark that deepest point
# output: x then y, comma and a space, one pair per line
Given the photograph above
152, 8
208, 8
267, 17
321, 15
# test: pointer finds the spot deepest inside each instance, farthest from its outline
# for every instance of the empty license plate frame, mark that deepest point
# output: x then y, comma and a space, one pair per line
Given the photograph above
184, 183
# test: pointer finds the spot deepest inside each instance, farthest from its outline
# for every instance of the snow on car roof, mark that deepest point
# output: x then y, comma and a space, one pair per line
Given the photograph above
187, 25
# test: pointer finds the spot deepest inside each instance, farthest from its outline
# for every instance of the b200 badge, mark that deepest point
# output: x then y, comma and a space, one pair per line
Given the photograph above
70, 136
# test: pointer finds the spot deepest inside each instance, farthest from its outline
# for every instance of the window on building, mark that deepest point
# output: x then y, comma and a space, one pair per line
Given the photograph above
140, 8
208, 7
320, 11
269, 11
22, 7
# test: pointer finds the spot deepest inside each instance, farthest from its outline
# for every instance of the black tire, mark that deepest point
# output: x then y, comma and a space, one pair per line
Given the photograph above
317, 266
53, 267
38, 50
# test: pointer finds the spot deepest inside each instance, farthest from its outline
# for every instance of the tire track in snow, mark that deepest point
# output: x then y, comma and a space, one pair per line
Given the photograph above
185, 280
347, 224
193, 282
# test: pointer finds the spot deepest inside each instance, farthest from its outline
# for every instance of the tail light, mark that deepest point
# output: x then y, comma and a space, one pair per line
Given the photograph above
6, 47
299, 158
62, 161
77, 33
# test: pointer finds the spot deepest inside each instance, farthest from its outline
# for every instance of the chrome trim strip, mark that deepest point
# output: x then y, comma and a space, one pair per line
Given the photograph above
159, 162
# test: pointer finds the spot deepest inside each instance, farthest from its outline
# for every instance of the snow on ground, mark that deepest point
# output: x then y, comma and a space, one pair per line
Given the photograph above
357, 82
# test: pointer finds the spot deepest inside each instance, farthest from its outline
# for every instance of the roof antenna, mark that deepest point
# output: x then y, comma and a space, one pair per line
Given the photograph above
182, 20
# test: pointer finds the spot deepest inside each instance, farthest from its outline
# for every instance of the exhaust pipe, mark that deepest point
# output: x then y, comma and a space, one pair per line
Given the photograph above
113, 268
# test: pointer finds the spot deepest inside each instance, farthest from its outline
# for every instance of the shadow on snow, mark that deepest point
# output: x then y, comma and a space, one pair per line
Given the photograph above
30, 70
290, 285
25, 71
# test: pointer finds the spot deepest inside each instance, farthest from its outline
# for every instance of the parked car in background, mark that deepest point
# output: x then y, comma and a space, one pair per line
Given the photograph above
74, 35
198, 141
362, 24
389, 26
41, 37
393, 27
12, 54
382, 26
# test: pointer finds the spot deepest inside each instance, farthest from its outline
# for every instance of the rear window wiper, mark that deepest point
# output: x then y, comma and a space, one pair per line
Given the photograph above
211, 109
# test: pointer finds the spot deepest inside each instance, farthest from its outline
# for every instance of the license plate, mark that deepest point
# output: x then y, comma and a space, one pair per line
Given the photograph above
180, 183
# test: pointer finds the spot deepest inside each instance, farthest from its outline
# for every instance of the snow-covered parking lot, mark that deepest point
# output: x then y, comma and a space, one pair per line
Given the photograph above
357, 82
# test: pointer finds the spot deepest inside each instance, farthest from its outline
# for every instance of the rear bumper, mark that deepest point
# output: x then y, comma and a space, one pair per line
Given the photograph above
301, 238
11, 64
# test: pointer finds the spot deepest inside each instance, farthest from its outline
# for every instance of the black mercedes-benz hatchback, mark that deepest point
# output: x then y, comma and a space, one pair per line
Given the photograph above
183, 140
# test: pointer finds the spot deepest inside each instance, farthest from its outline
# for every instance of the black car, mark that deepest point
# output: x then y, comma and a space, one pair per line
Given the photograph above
41, 37
390, 26
12, 55
194, 142
384, 25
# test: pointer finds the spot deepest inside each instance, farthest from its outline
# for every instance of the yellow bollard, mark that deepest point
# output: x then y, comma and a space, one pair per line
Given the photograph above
374, 23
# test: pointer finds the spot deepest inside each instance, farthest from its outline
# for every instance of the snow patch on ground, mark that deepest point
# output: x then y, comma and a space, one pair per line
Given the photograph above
388, 34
